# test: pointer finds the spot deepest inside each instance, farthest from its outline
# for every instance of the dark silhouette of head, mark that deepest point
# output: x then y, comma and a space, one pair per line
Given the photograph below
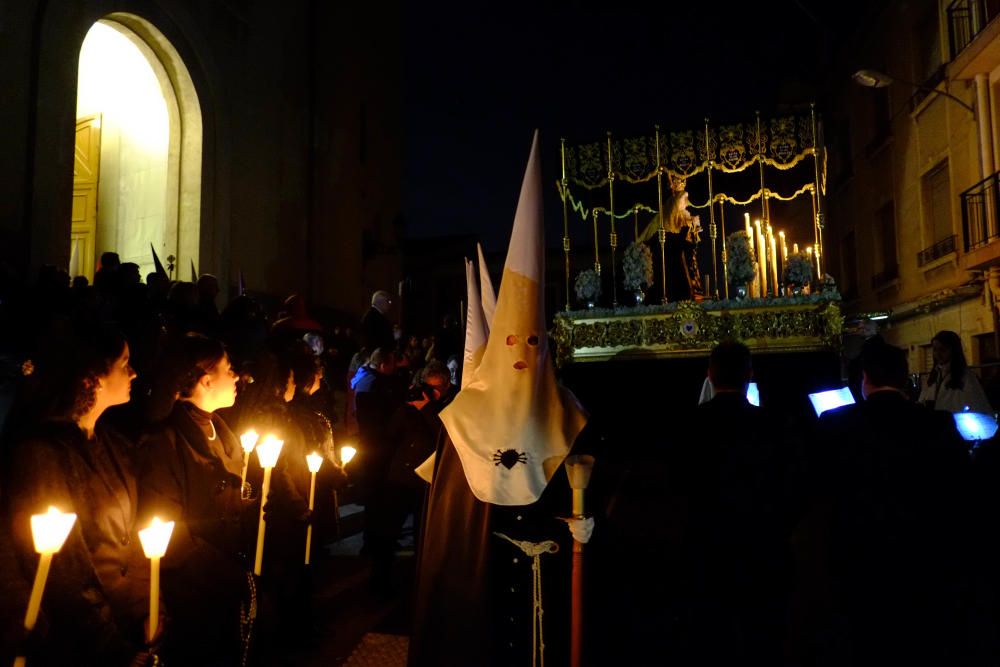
884, 366
729, 367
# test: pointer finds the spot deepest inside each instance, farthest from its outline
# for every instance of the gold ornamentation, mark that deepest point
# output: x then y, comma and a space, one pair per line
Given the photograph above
784, 143
732, 150
691, 329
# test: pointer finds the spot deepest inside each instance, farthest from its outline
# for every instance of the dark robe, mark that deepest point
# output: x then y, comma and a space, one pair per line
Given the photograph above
677, 248
473, 603
97, 593
195, 481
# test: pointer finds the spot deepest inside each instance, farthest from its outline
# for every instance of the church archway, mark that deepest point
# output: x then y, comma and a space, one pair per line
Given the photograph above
138, 153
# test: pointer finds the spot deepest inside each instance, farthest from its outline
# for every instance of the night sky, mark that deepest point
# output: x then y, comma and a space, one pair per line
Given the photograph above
479, 80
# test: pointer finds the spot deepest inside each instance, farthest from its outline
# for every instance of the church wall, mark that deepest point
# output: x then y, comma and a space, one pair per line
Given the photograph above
283, 89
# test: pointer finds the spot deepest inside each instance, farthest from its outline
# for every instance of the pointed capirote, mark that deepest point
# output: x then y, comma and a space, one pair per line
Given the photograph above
157, 263
488, 294
513, 425
475, 327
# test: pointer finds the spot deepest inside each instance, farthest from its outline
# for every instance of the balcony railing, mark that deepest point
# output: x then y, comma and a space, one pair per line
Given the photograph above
966, 19
945, 246
880, 280
980, 213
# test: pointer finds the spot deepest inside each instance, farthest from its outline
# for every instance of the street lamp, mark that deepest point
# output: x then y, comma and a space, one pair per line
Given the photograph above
870, 78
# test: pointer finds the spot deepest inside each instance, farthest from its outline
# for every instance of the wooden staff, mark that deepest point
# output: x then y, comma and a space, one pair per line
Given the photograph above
578, 469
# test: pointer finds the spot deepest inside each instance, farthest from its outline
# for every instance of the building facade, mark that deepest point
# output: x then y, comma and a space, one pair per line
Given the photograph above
912, 183
282, 160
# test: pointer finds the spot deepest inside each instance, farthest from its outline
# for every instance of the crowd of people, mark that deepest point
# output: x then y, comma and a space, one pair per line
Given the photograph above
859, 539
124, 401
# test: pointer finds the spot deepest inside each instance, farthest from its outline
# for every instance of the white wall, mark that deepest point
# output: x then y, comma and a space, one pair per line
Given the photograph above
117, 81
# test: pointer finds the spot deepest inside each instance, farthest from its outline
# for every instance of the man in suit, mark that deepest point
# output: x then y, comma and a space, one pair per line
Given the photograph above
892, 480
732, 504
376, 330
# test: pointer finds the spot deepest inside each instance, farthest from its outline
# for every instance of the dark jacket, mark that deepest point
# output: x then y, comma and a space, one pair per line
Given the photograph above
97, 594
733, 505
892, 484
376, 332
195, 481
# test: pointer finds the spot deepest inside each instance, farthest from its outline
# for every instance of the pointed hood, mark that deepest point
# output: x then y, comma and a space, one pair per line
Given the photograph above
475, 327
157, 263
512, 424
489, 296
194, 273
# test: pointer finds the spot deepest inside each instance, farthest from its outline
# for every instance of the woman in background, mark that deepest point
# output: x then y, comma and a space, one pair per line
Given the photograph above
951, 385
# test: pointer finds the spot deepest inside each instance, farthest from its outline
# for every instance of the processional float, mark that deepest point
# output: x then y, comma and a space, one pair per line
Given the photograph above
775, 300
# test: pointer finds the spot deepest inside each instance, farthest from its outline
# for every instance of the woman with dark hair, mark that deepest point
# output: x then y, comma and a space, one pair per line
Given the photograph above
191, 474
317, 431
951, 385
97, 596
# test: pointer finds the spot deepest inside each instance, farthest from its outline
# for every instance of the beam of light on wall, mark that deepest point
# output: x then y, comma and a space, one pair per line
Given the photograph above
117, 81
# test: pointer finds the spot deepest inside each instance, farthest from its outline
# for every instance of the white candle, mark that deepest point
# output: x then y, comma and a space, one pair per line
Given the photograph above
314, 461
49, 532
248, 441
267, 452
761, 260
154, 541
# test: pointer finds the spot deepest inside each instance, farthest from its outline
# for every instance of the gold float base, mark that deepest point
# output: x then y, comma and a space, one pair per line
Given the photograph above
693, 329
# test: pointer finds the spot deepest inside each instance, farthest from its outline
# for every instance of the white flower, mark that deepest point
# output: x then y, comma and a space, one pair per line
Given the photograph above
587, 285
637, 266
741, 262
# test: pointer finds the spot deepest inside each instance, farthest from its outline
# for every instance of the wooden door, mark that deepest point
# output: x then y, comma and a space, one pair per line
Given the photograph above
86, 168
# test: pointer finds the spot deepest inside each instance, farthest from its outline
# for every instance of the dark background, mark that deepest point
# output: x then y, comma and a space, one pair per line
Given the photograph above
478, 81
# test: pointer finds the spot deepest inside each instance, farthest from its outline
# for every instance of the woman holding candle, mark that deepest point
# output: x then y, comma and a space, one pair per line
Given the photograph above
191, 474
95, 602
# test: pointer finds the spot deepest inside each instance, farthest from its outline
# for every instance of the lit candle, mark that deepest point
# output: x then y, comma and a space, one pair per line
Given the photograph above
795, 248
809, 254
346, 454
154, 541
49, 532
267, 453
248, 441
761, 260
746, 218
784, 248
774, 264
314, 461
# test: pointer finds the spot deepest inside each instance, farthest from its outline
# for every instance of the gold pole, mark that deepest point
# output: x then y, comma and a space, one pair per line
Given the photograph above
663, 231
597, 253
635, 221
817, 203
614, 235
565, 195
763, 202
712, 231
725, 256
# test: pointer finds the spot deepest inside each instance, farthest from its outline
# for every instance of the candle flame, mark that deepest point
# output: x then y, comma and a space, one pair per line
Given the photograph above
50, 530
156, 537
346, 454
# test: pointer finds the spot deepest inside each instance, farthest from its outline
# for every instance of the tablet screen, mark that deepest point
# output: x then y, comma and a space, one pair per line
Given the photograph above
829, 400
753, 394
975, 425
